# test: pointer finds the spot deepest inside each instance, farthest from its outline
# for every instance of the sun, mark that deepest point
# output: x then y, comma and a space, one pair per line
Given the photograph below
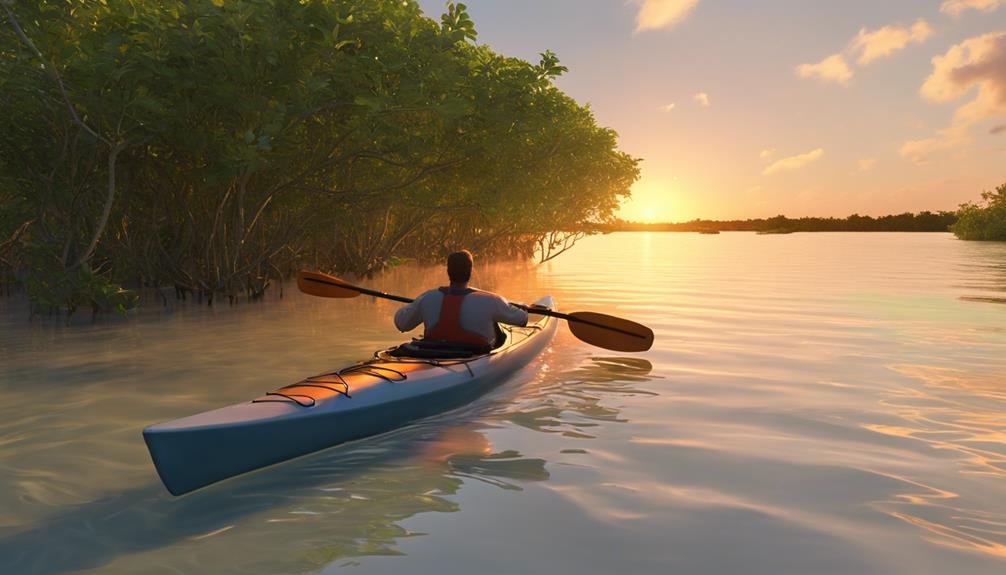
649, 203
648, 213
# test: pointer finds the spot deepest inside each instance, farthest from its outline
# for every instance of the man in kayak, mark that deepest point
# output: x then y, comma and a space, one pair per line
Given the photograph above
458, 314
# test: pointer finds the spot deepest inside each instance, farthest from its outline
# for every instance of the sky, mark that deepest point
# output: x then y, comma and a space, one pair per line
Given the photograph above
753, 108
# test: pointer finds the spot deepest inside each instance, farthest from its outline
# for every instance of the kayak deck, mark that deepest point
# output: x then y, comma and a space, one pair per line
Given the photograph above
383, 367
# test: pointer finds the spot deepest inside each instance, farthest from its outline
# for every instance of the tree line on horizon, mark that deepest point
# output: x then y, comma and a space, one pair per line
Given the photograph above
906, 222
214, 146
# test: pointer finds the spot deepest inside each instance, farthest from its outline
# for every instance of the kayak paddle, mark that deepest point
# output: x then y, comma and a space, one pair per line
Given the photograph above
601, 330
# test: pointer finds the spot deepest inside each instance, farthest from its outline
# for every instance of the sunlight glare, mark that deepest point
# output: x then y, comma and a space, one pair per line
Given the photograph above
650, 202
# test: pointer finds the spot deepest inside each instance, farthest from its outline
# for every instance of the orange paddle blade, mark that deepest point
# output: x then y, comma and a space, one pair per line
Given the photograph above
610, 332
324, 285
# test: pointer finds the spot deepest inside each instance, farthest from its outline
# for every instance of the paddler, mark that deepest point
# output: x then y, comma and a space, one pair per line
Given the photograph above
458, 314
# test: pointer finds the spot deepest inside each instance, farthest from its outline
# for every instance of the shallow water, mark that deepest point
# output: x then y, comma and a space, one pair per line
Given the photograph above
814, 403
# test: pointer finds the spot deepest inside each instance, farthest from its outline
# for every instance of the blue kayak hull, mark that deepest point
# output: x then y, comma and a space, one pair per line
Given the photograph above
209, 456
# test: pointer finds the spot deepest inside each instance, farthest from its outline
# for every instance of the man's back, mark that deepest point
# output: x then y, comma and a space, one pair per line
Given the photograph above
479, 311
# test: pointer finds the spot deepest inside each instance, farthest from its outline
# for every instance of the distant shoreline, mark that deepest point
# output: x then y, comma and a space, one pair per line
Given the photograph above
906, 222
767, 233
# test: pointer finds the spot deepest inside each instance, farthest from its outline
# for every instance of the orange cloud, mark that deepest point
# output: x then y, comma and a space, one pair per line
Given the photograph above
656, 14
793, 162
880, 43
870, 45
978, 64
956, 7
702, 98
831, 69
919, 151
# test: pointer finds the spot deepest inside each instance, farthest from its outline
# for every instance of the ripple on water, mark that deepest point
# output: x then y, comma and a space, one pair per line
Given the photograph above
815, 403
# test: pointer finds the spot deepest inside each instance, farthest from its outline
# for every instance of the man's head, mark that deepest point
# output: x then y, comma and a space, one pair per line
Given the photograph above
459, 267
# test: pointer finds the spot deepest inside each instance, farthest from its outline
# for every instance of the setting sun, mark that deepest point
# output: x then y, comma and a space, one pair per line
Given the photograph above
651, 202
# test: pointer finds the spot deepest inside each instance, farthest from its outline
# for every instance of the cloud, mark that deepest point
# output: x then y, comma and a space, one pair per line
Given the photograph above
956, 7
978, 62
919, 151
865, 164
702, 98
881, 43
667, 107
976, 65
831, 69
766, 153
656, 14
793, 162
865, 47
1000, 129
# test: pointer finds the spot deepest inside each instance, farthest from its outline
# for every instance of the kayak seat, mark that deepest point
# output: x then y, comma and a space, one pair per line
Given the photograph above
433, 349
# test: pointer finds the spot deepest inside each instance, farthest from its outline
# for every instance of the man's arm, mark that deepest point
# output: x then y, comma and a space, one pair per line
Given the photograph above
408, 317
508, 314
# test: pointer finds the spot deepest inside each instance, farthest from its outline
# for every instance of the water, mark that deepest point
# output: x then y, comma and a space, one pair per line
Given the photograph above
814, 403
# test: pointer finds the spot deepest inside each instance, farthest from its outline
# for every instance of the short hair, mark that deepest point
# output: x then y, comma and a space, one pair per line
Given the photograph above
459, 266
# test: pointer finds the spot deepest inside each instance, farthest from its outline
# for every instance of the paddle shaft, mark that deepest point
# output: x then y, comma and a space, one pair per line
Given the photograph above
537, 310
364, 291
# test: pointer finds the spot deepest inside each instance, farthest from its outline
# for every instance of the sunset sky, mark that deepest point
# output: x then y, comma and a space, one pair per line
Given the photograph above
752, 108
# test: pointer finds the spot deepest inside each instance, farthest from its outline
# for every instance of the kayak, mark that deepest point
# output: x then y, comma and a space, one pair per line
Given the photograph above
361, 400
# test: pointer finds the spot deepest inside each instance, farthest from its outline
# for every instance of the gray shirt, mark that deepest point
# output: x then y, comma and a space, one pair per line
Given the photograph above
479, 311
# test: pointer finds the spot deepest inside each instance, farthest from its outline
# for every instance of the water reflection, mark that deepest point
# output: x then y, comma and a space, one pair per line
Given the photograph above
505, 469
333, 506
327, 508
954, 412
297, 517
570, 402
830, 406
984, 299
985, 270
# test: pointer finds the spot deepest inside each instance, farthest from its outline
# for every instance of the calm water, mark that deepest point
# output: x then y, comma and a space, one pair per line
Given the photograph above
814, 403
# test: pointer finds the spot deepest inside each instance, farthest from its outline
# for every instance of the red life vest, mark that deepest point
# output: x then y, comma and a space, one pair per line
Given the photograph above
448, 326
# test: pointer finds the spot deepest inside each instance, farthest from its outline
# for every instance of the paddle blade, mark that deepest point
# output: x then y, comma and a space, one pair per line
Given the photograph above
324, 285
610, 332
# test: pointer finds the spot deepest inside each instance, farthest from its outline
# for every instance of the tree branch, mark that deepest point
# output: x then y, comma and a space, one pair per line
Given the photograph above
107, 209
50, 68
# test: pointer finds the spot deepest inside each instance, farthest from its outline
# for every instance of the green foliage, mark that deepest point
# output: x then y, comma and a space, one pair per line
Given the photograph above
52, 286
549, 66
456, 25
231, 142
985, 220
